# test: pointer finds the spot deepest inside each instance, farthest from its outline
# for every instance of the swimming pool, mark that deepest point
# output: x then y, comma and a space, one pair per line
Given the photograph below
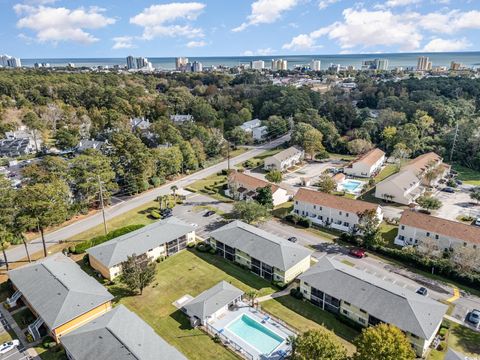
255, 334
351, 185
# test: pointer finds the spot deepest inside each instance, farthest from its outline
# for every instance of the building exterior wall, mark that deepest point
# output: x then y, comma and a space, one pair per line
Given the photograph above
94, 263
330, 217
409, 235
361, 169
360, 316
400, 196
296, 270
271, 163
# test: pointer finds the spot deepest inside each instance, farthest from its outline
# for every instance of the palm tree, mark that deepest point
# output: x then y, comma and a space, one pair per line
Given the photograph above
251, 295
160, 202
174, 189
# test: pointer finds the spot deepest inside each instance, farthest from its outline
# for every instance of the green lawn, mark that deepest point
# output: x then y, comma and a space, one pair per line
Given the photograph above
341, 156
325, 233
206, 185
464, 340
56, 353
24, 318
304, 316
388, 232
282, 210
187, 273
467, 175
259, 159
388, 170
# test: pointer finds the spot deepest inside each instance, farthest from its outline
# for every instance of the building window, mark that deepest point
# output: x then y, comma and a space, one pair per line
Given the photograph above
436, 237
320, 217
428, 234
296, 202
401, 237
345, 312
403, 227
321, 208
464, 244
363, 311
346, 303
339, 213
346, 224
314, 206
346, 214
361, 320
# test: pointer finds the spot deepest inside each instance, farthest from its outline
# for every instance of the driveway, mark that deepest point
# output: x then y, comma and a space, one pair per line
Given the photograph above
18, 252
457, 204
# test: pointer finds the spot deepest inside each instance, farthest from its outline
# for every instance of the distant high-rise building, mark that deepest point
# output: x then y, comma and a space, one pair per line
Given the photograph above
315, 65
257, 64
10, 61
424, 63
381, 64
197, 66
455, 66
279, 64
131, 62
334, 67
181, 63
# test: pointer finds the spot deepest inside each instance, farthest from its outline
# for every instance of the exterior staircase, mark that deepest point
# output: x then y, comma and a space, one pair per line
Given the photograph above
33, 328
12, 300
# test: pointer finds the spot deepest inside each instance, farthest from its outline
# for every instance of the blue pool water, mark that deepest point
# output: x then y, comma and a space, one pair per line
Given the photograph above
255, 334
351, 185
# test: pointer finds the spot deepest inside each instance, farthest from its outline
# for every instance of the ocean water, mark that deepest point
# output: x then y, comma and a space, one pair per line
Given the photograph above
469, 59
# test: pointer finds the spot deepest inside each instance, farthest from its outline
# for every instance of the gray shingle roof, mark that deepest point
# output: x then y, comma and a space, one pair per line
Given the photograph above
121, 335
58, 289
138, 242
390, 303
212, 300
261, 245
287, 153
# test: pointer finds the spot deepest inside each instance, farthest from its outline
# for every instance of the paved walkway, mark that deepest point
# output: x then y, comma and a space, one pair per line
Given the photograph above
276, 294
18, 332
456, 295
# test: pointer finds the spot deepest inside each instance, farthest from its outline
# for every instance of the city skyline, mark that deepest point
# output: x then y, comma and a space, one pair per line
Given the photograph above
56, 29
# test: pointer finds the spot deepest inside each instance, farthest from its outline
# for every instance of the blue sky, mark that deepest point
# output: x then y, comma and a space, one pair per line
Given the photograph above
116, 28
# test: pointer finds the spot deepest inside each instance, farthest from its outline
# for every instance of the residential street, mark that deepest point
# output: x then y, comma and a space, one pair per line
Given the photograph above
192, 212
18, 252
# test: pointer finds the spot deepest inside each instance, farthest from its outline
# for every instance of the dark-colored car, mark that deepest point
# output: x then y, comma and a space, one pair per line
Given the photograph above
474, 317
459, 182
448, 190
166, 213
422, 291
292, 239
209, 213
359, 253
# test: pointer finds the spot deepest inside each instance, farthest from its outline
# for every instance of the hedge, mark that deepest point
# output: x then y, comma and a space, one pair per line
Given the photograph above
84, 245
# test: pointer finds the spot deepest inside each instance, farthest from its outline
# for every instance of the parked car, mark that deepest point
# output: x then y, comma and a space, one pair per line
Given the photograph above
422, 291
448, 190
209, 213
477, 222
166, 213
292, 239
459, 182
9, 346
359, 253
474, 317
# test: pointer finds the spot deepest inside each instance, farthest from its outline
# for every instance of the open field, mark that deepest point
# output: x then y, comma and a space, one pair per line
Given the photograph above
388, 170
191, 273
467, 175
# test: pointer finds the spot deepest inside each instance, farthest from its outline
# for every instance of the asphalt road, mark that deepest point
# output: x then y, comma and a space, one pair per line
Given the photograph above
18, 252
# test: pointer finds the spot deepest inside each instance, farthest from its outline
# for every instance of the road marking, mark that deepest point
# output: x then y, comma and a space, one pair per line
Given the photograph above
456, 295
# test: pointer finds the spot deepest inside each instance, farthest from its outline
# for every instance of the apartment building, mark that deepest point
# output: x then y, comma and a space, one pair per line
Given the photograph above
284, 159
366, 165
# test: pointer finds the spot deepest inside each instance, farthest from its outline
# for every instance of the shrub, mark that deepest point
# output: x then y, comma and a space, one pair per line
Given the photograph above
71, 249
296, 293
212, 251
191, 245
445, 324
84, 245
442, 332
191, 189
216, 339
305, 222
156, 181
154, 214
349, 322
442, 346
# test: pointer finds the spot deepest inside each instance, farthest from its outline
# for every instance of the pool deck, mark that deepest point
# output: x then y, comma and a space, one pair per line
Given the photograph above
356, 191
220, 325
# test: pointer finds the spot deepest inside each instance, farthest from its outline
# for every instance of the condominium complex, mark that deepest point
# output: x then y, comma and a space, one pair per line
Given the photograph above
10, 61
279, 64
369, 300
257, 64
424, 63
138, 63
180, 63
376, 64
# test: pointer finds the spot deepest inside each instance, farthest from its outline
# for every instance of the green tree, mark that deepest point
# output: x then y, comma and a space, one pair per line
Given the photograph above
237, 136
277, 126
264, 196
49, 169
33, 122
475, 194
174, 189
326, 184
89, 171
369, 226
190, 161
66, 139
318, 344
389, 136
359, 146
138, 272
429, 202
7, 216
167, 161
383, 342
312, 142
250, 211
251, 295
45, 205
274, 176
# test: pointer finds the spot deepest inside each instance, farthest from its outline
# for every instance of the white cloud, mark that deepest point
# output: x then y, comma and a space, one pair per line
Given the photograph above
123, 42
195, 44
445, 45
451, 22
259, 52
323, 4
395, 3
248, 53
266, 12
156, 20
300, 42
52, 24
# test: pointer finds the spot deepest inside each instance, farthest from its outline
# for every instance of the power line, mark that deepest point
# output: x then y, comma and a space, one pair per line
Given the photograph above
103, 205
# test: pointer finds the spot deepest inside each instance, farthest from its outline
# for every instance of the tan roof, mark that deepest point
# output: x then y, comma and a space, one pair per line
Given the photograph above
339, 177
333, 201
250, 182
441, 226
421, 163
371, 157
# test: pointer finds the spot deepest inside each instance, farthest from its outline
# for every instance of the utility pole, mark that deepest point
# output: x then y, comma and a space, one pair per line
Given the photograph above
103, 206
228, 156
454, 142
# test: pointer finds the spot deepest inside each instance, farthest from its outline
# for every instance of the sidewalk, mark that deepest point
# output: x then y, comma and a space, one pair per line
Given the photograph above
18, 332
276, 294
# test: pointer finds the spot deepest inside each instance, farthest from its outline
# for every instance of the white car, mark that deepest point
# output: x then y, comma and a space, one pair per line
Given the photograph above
477, 222
9, 346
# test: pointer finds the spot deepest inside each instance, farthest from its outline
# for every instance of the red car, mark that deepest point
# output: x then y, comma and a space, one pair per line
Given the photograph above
359, 253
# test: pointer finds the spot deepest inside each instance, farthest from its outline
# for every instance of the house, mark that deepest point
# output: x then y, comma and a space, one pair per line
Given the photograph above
409, 183
20, 142
415, 226
181, 118
60, 295
366, 165
244, 187
85, 145
369, 300
259, 133
265, 254
162, 238
212, 303
119, 334
140, 124
328, 210
284, 159
248, 126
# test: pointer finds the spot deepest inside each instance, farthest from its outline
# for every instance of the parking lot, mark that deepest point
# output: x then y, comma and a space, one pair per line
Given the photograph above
457, 204
17, 353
